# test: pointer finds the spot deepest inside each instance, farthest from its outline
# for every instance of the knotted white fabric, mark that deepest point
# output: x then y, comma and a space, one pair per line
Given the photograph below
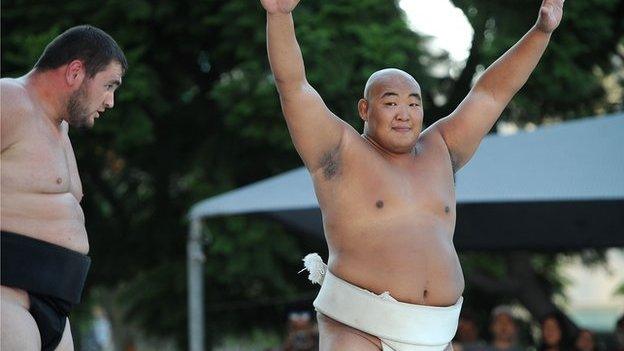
400, 326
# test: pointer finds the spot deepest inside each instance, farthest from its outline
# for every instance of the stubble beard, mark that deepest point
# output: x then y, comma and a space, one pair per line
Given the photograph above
77, 113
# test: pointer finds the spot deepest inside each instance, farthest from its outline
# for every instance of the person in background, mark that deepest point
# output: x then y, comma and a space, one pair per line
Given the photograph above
504, 331
467, 336
554, 336
302, 333
585, 341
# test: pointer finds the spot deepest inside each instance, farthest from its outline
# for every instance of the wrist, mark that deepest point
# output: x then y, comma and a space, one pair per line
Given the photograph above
540, 30
278, 14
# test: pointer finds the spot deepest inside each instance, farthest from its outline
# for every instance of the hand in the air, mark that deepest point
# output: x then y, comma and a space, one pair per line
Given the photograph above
550, 15
279, 6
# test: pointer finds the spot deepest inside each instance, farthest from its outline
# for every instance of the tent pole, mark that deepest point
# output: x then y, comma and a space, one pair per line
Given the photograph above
195, 278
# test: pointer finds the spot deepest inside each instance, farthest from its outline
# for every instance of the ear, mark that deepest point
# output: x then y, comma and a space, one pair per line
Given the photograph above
75, 73
363, 109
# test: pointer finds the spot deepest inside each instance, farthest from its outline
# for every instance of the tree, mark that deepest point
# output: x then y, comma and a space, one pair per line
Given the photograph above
568, 83
198, 114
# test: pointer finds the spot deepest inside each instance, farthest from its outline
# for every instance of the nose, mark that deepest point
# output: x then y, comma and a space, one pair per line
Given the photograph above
403, 114
110, 100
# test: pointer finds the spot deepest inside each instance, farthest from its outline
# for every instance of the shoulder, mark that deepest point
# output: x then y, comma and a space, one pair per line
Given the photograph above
433, 139
15, 98
16, 107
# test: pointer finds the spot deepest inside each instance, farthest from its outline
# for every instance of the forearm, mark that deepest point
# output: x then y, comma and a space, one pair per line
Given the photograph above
507, 75
284, 52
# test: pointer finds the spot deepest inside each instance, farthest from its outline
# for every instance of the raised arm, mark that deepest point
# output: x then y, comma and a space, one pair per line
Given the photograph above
465, 127
316, 132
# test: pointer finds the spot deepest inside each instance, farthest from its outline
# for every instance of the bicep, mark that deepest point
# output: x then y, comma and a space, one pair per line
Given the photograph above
314, 129
465, 127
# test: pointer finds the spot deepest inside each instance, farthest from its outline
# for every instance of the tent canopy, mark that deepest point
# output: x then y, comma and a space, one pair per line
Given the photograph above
559, 187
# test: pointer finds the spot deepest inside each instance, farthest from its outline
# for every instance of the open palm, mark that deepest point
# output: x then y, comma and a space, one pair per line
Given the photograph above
550, 15
279, 6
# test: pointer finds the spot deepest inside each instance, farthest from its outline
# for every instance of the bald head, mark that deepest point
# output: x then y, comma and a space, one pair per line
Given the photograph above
386, 78
392, 110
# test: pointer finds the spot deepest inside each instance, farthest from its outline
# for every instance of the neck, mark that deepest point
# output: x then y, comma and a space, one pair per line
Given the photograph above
394, 157
48, 94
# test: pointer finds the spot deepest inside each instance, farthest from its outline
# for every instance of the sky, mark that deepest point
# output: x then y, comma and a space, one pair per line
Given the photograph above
443, 21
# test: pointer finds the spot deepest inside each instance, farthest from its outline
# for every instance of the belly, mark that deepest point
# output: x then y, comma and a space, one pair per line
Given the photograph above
412, 258
55, 218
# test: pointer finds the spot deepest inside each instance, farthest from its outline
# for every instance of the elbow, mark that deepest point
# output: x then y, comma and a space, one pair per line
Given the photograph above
288, 80
289, 88
490, 96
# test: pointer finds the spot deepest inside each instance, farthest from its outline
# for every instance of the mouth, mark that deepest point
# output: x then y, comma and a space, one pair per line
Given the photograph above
402, 129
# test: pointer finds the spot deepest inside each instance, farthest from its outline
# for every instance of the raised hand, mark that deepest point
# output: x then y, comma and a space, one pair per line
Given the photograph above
550, 15
279, 6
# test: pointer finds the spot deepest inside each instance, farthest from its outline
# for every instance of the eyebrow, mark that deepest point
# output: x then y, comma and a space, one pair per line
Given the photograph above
117, 82
390, 93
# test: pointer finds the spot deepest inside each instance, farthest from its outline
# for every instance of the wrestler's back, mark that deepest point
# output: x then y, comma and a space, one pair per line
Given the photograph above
389, 227
41, 189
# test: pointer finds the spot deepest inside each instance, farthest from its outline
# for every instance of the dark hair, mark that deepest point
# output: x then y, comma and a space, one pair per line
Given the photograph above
566, 340
86, 43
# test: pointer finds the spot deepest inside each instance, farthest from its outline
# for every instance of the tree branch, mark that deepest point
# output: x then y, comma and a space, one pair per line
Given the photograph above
463, 83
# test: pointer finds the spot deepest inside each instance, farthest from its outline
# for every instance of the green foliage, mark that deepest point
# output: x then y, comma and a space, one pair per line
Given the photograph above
198, 114
568, 82
620, 290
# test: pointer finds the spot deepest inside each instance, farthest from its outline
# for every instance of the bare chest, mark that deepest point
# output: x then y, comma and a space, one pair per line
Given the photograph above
40, 162
373, 189
424, 189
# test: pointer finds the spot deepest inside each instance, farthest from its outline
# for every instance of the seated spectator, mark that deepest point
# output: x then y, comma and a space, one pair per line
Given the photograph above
585, 341
504, 331
467, 336
554, 336
302, 333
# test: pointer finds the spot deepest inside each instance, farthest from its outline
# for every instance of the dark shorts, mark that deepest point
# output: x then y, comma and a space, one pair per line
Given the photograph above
52, 275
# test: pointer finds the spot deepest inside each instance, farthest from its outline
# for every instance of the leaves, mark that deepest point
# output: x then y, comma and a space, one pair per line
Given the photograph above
198, 115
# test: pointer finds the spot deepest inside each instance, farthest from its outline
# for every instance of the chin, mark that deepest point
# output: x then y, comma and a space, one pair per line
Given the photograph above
406, 146
402, 148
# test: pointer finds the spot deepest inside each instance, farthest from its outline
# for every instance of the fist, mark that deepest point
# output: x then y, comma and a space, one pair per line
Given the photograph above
279, 6
550, 15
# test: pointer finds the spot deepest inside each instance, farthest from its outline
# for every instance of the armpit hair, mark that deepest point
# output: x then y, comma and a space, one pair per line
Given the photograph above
330, 162
454, 165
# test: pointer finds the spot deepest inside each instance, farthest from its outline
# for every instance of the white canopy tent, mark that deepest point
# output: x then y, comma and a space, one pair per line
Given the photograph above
559, 187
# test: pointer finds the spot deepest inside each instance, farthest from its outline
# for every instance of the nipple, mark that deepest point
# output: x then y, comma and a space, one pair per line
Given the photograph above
59, 180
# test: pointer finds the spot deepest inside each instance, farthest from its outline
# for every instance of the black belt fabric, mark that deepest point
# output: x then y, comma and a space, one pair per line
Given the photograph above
42, 268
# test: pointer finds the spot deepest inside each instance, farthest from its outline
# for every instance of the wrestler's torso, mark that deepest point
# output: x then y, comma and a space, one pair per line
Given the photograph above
41, 189
389, 227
